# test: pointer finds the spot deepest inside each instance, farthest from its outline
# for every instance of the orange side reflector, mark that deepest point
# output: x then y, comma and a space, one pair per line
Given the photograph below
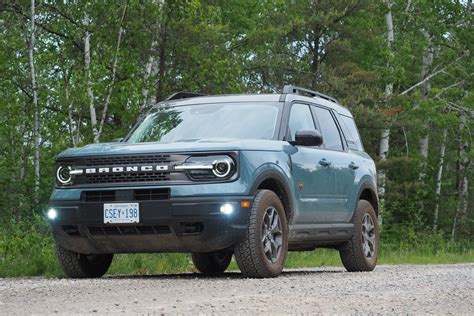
246, 204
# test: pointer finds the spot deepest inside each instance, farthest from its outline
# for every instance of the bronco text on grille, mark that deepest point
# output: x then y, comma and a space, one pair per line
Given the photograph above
126, 169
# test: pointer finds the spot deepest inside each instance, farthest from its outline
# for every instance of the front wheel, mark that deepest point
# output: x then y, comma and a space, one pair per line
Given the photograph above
78, 266
212, 263
262, 252
360, 253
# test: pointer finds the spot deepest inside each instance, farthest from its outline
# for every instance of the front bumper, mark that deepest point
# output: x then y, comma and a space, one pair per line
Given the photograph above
177, 224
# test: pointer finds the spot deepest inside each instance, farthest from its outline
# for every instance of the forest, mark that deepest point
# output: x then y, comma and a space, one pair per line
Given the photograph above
78, 72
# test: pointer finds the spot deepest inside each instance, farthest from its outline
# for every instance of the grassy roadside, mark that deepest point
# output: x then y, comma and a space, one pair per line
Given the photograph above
29, 251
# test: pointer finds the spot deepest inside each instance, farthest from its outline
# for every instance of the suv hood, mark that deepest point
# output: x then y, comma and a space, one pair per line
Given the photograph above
201, 145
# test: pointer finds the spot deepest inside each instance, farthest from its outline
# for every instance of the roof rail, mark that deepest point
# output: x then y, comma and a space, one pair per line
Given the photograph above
298, 90
183, 95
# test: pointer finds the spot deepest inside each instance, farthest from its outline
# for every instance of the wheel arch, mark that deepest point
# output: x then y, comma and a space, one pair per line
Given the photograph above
368, 192
276, 182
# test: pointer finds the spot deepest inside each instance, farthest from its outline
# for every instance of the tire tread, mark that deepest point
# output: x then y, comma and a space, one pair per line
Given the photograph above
208, 265
248, 257
75, 267
351, 253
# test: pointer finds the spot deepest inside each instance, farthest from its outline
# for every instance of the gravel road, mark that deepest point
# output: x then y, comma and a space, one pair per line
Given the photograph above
437, 289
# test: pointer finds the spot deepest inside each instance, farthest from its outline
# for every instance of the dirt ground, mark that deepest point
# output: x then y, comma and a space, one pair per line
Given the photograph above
424, 289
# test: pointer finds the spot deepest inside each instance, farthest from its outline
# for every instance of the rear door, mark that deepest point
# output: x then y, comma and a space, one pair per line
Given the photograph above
358, 158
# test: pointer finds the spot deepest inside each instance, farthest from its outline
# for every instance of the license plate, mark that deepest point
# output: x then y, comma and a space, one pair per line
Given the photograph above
121, 213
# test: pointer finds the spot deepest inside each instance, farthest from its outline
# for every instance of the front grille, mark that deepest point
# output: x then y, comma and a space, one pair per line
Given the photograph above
151, 194
126, 195
129, 230
98, 196
126, 160
127, 177
135, 176
137, 169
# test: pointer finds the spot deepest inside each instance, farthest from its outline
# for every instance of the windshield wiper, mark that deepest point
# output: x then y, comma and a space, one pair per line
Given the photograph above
186, 140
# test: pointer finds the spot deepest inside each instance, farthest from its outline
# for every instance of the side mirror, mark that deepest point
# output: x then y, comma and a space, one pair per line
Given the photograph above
118, 140
310, 137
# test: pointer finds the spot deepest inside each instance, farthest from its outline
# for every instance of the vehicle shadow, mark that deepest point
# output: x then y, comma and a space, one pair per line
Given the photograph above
226, 275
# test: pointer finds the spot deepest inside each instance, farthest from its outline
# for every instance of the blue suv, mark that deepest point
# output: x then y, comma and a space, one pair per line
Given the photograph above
253, 176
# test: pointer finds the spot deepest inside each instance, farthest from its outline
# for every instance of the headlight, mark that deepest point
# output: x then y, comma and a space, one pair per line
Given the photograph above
63, 175
208, 167
222, 168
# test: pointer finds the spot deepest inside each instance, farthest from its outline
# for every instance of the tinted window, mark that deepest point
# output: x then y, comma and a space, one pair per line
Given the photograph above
350, 132
207, 121
300, 118
331, 137
347, 135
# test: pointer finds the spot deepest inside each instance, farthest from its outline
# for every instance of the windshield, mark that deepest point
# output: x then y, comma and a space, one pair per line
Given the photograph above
217, 120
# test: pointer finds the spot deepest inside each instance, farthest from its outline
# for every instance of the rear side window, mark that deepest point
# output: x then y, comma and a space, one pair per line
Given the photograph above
331, 136
350, 132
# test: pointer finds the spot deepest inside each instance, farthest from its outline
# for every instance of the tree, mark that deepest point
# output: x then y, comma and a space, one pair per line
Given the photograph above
31, 48
385, 135
404, 69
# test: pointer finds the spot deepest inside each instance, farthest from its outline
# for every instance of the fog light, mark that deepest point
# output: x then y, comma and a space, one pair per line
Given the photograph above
227, 209
52, 213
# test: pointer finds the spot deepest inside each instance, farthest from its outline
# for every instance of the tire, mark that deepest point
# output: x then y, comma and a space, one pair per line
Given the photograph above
360, 253
79, 266
253, 258
212, 263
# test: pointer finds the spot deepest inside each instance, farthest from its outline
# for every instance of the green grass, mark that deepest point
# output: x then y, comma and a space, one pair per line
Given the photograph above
143, 264
29, 251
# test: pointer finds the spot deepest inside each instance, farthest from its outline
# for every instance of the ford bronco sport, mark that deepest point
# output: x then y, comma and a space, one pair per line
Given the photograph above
253, 176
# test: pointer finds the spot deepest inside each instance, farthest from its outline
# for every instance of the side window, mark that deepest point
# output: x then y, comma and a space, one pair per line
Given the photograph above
350, 131
347, 133
331, 136
300, 118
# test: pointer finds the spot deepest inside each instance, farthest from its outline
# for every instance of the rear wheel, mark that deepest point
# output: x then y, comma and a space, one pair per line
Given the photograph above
262, 252
212, 263
361, 252
77, 265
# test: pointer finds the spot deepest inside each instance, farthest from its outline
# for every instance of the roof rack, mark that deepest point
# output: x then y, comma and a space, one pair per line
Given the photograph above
298, 90
183, 95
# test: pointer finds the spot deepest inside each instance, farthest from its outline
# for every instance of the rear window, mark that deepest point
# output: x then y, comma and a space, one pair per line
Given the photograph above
350, 132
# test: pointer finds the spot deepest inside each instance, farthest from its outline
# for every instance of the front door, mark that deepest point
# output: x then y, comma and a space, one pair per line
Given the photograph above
340, 168
313, 180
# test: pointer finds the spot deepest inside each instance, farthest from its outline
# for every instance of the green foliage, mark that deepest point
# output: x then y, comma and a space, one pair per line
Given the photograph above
27, 248
218, 46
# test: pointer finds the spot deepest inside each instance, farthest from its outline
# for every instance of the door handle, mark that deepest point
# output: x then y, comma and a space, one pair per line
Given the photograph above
353, 166
325, 163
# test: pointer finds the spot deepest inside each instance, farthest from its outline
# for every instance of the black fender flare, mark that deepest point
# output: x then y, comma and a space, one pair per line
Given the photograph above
368, 185
282, 182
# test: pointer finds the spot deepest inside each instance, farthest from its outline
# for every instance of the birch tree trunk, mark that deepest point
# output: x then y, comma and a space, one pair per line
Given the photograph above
70, 115
87, 64
463, 164
151, 67
114, 71
162, 55
36, 133
425, 90
161, 70
385, 135
439, 177
148, 73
